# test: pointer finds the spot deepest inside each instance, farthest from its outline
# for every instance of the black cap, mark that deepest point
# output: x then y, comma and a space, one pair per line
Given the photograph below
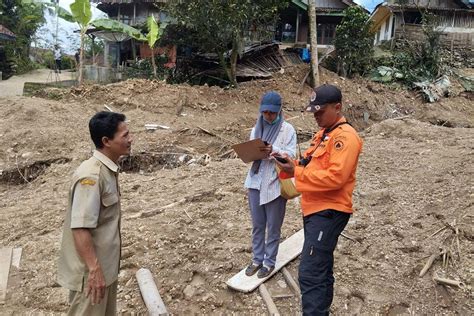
323, 95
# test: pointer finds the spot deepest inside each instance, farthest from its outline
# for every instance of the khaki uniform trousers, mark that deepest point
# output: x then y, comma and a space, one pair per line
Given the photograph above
82, 306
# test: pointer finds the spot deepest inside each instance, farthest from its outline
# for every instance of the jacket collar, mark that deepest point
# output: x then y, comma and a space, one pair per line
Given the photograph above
106, 161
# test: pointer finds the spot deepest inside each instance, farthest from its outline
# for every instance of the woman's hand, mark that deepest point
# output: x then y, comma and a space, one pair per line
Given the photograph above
267, 149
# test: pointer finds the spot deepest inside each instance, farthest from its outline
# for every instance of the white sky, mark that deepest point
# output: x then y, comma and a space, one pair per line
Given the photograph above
67, 39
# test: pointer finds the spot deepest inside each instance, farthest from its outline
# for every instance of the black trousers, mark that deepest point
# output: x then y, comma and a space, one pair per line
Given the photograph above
58, 65
321, 232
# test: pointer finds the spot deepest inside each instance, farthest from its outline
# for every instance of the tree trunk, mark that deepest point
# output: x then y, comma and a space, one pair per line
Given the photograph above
224, 66
314, 43
153, 61
81, 56
233, 63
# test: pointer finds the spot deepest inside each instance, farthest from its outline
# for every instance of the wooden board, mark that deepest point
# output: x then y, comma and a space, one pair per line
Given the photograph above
288, 250
16, 257
5, 262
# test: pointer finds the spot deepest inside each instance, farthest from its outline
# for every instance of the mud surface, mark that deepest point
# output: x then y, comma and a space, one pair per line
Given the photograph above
414, 178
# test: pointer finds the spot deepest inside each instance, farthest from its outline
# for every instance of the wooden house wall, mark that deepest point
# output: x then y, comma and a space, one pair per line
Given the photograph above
414, 32
447, 4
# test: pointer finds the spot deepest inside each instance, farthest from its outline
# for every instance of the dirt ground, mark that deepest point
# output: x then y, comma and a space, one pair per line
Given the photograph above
415, 177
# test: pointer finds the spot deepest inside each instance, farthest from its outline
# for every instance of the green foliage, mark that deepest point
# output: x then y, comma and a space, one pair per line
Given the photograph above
354, 42
418, 61
219, 25
144, 69
116, 26
64, 14
81, 12
93, 48
153, 31
68, 62
23, 18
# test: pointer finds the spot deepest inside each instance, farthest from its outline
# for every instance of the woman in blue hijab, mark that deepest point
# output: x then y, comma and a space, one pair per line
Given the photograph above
267, 206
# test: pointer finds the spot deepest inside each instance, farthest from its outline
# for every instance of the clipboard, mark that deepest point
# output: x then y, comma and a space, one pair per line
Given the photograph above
250, 150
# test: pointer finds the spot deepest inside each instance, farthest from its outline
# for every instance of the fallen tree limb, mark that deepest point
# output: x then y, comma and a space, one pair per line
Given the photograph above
267, 298
213, 134
158, 210
449, 282
191, 198
438, 231
291, 281
428, 264
350, 238
303, 82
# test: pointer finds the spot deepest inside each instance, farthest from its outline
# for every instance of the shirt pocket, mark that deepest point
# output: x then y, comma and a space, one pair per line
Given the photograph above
110, 208
321, 158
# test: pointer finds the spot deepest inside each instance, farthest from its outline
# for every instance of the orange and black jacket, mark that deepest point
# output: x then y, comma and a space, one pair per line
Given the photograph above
328, 180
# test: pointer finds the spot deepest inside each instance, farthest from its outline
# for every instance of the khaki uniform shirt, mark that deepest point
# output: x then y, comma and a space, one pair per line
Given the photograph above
94, 203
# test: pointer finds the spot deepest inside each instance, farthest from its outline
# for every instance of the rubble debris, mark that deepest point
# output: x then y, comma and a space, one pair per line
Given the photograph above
433, 91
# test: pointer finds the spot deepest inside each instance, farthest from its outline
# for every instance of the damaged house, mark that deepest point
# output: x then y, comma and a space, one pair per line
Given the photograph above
394, 21
120, 49
293, 27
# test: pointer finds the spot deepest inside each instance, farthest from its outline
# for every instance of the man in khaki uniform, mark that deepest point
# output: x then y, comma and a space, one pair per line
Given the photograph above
90, 250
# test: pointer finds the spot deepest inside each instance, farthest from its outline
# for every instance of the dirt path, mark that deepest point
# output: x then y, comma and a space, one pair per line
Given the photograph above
14, 85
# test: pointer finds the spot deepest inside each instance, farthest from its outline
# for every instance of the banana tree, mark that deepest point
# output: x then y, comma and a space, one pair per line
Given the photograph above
155, 32
81, 14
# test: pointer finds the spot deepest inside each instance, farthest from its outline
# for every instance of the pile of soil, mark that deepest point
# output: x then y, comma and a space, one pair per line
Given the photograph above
413, 180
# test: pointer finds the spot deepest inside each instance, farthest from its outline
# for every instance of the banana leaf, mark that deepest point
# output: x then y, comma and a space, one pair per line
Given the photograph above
116, 26
81, 11
153, 31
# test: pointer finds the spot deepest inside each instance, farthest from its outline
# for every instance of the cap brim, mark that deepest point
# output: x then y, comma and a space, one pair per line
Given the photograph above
270, 107
314, 107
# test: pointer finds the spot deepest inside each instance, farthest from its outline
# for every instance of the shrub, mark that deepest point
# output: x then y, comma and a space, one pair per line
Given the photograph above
354, 43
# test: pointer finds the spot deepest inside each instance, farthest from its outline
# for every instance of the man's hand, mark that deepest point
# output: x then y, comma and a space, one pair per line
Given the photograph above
95, 288
288, 167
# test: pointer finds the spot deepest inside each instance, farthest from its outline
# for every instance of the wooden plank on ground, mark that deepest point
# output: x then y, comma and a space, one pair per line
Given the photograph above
267, 298
291, 281
288, 250
5, 262
16, 257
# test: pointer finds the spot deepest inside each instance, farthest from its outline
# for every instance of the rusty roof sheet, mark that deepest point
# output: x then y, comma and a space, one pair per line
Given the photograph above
6, 32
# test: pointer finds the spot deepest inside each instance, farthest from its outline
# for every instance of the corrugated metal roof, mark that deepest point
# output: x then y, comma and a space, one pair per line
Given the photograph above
128, 1
6, 33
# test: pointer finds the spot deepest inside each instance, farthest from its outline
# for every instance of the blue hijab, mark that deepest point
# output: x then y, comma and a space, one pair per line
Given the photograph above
267, 132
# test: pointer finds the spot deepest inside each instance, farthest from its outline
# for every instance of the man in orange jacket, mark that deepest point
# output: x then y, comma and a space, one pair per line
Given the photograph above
325, 176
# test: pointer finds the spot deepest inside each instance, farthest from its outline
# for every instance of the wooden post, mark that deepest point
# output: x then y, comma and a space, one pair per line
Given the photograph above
150, 293
314, 42
297, 24
134, 13
267, 298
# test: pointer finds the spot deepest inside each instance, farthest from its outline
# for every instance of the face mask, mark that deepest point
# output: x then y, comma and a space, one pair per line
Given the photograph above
275, 121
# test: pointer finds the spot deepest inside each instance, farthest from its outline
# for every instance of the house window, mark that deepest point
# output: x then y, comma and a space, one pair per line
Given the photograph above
126, 19
326, 33
413, 17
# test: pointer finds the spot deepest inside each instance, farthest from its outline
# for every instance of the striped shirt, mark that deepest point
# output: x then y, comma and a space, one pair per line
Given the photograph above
266, 180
